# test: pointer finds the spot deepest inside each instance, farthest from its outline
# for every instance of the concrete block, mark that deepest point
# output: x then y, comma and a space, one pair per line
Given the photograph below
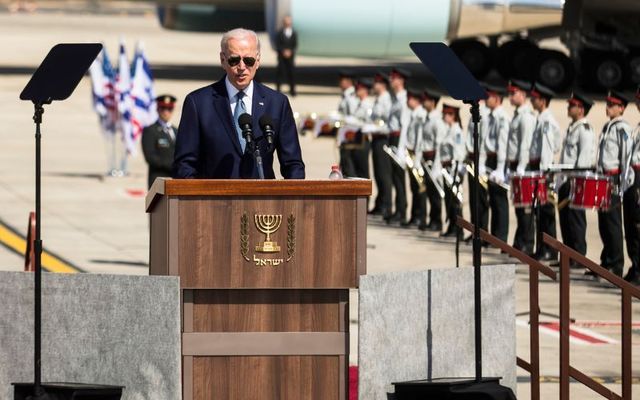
419, 325
101, 329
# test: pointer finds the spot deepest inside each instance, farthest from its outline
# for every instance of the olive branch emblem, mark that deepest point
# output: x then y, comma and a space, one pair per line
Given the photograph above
291, 236
244, 236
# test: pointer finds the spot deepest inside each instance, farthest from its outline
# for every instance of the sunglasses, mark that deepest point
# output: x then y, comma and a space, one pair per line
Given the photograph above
163, 108
235, 60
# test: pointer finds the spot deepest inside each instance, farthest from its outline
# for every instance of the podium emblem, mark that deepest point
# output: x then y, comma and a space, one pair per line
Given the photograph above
268, 224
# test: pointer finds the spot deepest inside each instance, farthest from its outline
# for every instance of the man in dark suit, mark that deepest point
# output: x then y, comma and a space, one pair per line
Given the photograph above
210, 142
159, 140
286, 44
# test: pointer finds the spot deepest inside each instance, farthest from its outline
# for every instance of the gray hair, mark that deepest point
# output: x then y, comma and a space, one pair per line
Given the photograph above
238, 33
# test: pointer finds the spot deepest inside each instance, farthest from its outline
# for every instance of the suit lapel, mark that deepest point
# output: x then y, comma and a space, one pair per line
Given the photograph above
223, 109
257, 105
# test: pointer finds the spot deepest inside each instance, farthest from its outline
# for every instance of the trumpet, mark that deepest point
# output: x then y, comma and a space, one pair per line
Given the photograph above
407, 162
453, 184
436, 184
416, 171
484, 180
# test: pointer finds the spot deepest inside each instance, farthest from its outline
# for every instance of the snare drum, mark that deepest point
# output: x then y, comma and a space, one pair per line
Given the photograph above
590, 191
524, 188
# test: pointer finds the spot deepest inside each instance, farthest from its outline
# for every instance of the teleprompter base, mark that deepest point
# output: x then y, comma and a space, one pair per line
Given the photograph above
453, 388
69, 391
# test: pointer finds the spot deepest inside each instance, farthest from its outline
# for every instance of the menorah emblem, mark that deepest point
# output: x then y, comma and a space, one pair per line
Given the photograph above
268, 224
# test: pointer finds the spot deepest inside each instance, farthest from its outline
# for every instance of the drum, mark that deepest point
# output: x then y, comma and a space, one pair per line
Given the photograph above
590, 191
524, 188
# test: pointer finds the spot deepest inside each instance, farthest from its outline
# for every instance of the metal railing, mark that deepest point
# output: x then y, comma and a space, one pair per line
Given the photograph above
566, 370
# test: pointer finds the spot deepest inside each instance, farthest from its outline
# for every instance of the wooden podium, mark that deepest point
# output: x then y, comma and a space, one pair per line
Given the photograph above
265, 268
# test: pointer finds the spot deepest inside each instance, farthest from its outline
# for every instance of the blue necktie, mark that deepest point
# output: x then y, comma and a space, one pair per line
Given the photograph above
237, 112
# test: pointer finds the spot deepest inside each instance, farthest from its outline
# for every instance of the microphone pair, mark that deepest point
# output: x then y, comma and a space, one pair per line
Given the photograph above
266, 124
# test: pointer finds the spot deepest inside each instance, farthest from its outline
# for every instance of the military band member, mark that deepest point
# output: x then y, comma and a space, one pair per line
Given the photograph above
579, 151
495, 145
483, 196
159, 140
452, 155
545, 144
614, 150
398, 122
432, 134
362, 112
413, 146
346, 107
632, 207
520, 134
380, 138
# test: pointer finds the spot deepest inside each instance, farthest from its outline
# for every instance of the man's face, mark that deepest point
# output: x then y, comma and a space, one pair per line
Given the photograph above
538, 103
286, 22
379, 88
493, 101
396, 82
614, 110
412, 102
165, 112
345, 83
362, 91
240, 53
429, 104
575, 112
517, 97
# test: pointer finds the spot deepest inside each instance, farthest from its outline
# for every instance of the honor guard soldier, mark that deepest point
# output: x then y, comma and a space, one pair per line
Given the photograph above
398, 122
432, 135
578, 151
347, 106
362, 112
520, 133
452, 155
414, 144
483, 206
379, 139
545, 144
159, 140
632, 207
614, 150
495, 146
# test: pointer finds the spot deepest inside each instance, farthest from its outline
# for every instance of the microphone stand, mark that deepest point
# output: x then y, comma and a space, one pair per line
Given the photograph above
255, 152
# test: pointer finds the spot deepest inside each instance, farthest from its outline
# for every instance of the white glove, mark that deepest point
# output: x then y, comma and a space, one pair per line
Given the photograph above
497, 176
436, 172
482, 170
462, 169
520, 171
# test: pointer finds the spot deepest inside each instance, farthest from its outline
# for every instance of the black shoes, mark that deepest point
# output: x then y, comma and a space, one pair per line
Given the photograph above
410, 222
633, 276
397, 217
546, 256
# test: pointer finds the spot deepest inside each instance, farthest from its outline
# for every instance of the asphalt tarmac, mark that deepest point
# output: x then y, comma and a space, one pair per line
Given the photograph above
97, 224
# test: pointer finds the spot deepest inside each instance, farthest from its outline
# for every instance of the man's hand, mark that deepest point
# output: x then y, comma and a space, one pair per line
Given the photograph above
287, 53
497, 176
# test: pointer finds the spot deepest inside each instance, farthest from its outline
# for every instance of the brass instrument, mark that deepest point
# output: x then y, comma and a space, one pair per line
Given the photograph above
417, 172
320, 125
452, 184
436, 184
485, 181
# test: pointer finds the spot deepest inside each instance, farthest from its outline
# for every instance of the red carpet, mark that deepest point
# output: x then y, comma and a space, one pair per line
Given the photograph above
353, 383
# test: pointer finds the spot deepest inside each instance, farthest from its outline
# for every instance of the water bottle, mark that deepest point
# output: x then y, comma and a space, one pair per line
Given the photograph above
335, 172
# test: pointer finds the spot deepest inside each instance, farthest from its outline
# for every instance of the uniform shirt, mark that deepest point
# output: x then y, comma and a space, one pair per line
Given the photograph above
482, 130
415, 130
635, 154
546, 140
348, 102
363, 109
381, 111
399, 116
615, 144
495, 141
452, 146
434, 131
520, 134
579, 145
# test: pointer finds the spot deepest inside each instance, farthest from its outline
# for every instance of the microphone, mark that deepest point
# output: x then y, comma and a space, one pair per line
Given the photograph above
266, 124
244, 121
